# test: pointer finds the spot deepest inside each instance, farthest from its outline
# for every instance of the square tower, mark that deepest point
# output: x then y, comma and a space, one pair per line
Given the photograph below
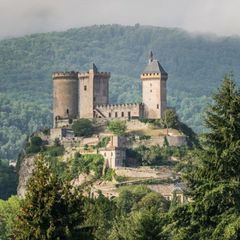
154, 92
93, 90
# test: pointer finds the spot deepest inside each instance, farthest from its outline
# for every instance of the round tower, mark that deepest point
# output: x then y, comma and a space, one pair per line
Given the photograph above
65, 95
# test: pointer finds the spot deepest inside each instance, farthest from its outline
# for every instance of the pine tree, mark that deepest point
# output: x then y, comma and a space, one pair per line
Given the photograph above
51, 208
222, 142
214, 179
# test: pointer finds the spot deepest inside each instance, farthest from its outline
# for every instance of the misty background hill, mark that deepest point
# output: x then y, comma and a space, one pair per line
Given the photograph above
196, 64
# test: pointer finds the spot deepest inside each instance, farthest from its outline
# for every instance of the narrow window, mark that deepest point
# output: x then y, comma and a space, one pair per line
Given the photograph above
67, 111
85, 88
129, 115
109, 115
150, 84
157, 106
94, 98
151, 90
116, 114
122, 114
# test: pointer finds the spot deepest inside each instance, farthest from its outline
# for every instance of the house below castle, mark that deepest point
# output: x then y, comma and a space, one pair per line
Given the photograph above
86, 95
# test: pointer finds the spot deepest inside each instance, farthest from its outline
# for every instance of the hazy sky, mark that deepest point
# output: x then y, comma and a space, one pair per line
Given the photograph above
19, 17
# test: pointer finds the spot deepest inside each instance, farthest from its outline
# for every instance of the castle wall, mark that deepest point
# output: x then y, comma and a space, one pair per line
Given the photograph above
159, 140
65, 95
119, 111
101, 89
144, 172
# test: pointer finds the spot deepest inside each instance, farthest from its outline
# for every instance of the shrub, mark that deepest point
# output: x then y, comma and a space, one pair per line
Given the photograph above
82, 127
35, 140
86, 163
109, 174
34, 145
170, 118
55, 151
103, 143
117, 127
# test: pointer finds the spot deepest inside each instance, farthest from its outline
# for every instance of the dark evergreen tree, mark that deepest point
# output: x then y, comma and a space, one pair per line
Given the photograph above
139, 225
51, 209
214, 180
100, 213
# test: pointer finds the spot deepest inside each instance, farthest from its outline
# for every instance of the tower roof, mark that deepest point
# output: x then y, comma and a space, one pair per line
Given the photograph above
94, 68
154, 66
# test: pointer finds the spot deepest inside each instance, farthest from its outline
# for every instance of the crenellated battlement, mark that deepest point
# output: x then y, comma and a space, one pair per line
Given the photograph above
58, 75
154, 76
118, 106
97, 74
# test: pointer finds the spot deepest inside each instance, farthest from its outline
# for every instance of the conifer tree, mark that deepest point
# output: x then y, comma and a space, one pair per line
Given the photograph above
214, 179
51, 208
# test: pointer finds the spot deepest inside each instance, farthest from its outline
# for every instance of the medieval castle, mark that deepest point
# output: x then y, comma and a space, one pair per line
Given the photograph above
86, 95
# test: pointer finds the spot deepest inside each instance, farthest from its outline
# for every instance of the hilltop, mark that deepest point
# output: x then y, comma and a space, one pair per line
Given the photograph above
195, 64
105, 154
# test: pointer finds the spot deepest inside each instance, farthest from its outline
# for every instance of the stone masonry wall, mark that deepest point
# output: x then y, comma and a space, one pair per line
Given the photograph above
120, 111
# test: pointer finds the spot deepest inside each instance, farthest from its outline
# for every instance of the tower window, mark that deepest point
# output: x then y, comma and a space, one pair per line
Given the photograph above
122, 114
109, 115
157, 106
85, 88
116, 114
94, 99
151, 90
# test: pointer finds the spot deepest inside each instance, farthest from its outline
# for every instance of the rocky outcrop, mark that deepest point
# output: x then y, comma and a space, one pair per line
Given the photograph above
25, 172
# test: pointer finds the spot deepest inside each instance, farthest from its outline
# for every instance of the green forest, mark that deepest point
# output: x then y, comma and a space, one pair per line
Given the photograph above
195, 63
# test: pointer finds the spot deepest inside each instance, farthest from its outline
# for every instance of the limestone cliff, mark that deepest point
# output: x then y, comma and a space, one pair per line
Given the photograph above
26, 168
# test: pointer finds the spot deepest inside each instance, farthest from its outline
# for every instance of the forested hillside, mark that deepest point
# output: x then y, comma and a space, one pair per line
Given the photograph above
196, 64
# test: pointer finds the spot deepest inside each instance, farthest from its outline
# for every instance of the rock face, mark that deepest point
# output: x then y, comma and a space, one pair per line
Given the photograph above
25, 172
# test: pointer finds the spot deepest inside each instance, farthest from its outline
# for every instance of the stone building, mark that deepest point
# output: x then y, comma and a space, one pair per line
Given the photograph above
114, 153
86, 95
169, 191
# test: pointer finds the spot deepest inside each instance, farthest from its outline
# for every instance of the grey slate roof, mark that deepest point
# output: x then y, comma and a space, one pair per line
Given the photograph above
93, 66
154, 67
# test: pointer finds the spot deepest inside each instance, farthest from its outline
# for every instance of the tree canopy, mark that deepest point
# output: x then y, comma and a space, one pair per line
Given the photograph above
52, 209
214, 178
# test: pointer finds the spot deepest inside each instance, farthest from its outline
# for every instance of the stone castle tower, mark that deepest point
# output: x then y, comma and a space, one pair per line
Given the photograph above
65, 95
86, 95
154, 92
93, 90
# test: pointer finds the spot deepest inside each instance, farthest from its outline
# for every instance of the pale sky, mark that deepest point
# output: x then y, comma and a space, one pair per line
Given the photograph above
20, 17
